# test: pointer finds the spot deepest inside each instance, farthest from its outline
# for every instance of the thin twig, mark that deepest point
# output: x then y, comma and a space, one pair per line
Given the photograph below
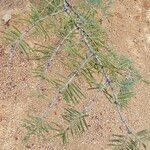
52, 57
90, 104
65, 86
51, 105
70, 80
56, 50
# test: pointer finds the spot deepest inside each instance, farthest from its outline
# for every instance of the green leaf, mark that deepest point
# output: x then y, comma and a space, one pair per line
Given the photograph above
129, 142
76, 121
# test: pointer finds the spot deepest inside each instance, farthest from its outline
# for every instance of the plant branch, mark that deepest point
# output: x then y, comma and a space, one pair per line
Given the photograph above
108, 80
86, 37
16, 42
70, 80
65, 86
56, 50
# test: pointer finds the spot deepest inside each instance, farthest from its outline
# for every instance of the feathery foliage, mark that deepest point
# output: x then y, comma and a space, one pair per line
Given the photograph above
130, 142
14, 36
75, 125
78, 35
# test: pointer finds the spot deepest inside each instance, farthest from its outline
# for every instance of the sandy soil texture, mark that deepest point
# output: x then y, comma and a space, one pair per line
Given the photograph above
128, 29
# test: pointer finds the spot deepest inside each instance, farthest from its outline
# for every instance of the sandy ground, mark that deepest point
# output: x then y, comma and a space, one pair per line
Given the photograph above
128, 29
